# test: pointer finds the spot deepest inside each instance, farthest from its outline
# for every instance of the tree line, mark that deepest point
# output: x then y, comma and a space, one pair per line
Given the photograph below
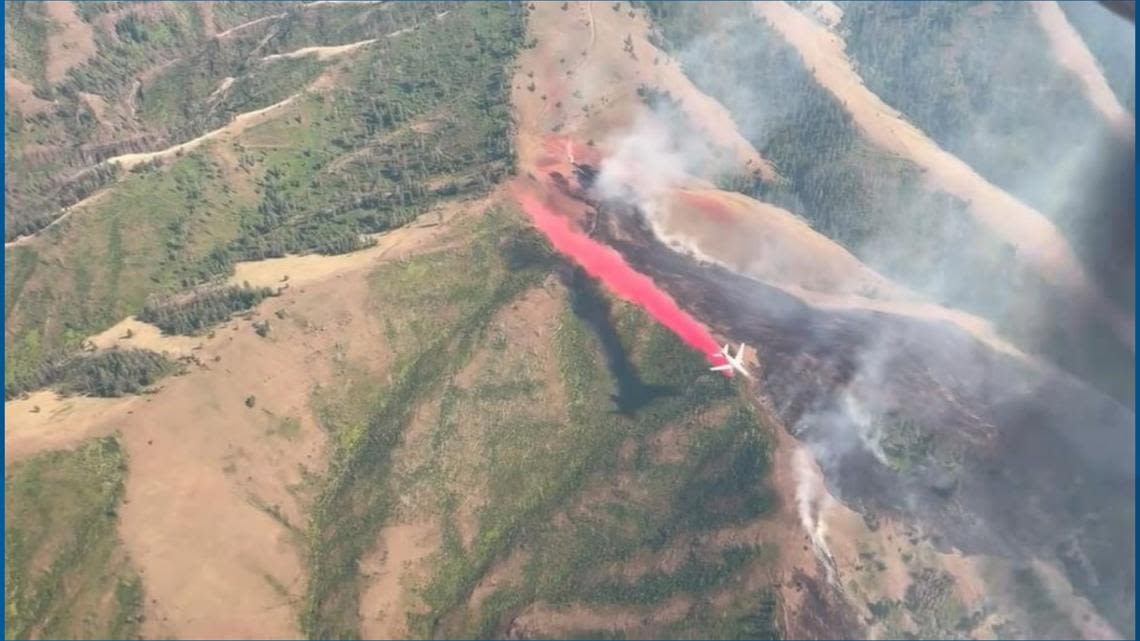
111, 373
190, 314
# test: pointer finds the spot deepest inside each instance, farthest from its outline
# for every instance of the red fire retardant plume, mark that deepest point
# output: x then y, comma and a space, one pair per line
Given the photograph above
607, 265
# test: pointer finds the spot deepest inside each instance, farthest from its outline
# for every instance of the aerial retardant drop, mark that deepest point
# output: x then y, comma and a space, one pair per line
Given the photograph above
608, 266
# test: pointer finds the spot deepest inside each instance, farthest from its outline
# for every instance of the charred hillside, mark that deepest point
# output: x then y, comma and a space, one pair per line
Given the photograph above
994, 454
989, 452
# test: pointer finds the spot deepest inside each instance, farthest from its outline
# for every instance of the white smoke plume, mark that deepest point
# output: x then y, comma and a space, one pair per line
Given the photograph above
812, 502
644, 164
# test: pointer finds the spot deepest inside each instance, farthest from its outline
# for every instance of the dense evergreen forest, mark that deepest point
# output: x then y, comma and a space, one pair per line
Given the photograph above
199, 310
107, 373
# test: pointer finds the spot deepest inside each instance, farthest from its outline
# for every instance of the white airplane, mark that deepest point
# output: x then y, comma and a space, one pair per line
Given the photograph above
734, 362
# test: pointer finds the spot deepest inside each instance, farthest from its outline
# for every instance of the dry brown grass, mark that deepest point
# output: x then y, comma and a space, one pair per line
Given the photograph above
69, 46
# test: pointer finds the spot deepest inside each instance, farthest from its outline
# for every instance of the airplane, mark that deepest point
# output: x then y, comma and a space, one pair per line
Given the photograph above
734, 362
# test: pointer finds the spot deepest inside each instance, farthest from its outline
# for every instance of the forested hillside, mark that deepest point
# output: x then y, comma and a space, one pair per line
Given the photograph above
390, 129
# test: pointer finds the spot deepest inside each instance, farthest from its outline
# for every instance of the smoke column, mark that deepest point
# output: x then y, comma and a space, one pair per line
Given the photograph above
607, 265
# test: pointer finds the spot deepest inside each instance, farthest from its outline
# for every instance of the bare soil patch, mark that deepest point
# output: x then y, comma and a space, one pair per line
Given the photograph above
206, 11
22, 96
321, 52
201, 456
132, 332
70, 46
240, 123
46, 421
98, 106
296, 271
394, 570
582, 77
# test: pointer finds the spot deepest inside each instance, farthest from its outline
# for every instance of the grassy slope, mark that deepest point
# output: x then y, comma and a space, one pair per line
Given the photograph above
570, 472
965, 60
100, 267
1056, 156
444, 299
66, 575
25, 41
523, 459
52, 150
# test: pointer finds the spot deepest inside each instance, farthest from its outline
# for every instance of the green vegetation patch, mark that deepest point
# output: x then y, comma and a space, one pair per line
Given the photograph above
188, 98
108, 373
559, 488
103, 263
25, 40
695, 575
507, 464
201, 309
931, 602
749, 615
410, 124
444, 301
65, 572
407, 124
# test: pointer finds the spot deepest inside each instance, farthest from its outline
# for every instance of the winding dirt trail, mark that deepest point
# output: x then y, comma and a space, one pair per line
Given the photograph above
64, 214
244, 25
1038, 242
321, 52
1069, 51
240, 123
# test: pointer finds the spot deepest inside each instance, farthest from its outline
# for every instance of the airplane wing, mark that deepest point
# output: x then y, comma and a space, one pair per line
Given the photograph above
740, 352
721, 368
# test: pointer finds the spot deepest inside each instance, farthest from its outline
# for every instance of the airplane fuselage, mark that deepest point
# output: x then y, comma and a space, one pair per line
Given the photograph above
733, 364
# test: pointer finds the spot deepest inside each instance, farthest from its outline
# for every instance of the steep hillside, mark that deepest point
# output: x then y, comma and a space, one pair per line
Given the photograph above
901, 203
904, 403
356, 150
393, 320
963, 105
